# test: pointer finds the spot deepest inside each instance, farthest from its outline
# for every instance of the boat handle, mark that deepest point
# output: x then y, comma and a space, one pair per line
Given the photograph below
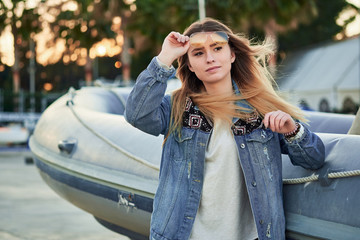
67, 146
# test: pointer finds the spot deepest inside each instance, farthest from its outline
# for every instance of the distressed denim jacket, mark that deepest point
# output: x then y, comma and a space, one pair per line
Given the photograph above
182, 165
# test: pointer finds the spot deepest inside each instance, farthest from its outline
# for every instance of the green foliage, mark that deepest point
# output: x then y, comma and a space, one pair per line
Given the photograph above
140, 62
23, 24
156, 19
89, 24
322, 28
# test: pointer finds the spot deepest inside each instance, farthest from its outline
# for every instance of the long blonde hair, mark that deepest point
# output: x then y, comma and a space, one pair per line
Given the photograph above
249, 72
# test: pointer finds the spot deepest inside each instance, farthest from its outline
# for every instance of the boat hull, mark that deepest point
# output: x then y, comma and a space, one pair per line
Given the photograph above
327, 208
88, 154
123, 209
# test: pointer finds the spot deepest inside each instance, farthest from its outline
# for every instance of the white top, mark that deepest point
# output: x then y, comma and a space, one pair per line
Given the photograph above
225, 211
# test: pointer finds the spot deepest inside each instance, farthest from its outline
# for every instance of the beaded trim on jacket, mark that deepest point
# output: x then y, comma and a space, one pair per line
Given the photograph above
195, 119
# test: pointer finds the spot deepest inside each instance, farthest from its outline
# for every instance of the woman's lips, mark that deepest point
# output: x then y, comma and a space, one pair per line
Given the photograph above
212, 69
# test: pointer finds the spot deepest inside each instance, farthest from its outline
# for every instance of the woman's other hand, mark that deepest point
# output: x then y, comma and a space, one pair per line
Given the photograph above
279, 121
174, 46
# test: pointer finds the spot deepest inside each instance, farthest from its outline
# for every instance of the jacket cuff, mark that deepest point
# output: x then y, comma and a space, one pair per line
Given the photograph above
298, 136
158, 72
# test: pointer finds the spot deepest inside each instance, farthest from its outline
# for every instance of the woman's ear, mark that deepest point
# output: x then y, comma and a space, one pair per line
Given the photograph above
232, 58
190, 67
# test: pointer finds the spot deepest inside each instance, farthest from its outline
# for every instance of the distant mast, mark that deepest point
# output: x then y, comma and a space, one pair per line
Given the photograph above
202, 13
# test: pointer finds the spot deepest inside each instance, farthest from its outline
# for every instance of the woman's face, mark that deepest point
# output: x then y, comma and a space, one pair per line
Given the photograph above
210, 59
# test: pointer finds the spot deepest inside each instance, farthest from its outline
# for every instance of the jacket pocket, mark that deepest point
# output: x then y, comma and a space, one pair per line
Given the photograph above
181, 147
260, 136
260, 144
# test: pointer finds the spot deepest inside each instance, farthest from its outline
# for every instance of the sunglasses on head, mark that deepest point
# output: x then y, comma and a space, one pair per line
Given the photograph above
199, 38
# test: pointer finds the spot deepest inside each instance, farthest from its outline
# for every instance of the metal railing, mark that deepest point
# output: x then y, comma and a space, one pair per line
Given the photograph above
25, 101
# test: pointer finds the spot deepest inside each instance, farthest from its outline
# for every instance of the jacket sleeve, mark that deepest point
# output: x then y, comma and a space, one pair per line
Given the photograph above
146, 108
307, 151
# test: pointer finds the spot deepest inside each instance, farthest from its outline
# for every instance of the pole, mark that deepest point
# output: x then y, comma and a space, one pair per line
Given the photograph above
202, 11
32, 75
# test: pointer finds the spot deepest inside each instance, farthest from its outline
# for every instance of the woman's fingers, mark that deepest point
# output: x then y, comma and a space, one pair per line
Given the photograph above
174, 46
180, 38
279, 121
176, 37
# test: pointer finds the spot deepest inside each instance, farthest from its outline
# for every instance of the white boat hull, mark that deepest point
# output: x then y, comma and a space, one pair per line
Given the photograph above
88, 154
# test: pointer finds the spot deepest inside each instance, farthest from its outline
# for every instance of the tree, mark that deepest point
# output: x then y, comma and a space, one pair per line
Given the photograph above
278, 16
155, 19
271, 16
24, 23
85, 25
322, 28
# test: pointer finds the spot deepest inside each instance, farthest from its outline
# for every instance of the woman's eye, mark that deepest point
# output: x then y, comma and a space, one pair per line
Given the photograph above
198, 54
217, 49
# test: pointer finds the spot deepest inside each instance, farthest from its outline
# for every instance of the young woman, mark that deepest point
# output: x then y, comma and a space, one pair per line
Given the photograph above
225, 130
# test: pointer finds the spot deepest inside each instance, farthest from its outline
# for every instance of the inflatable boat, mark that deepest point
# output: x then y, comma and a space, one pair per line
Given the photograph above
89, 155
13, 134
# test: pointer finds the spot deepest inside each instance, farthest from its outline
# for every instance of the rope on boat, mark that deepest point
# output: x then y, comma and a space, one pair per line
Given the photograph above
312, 178
70, 104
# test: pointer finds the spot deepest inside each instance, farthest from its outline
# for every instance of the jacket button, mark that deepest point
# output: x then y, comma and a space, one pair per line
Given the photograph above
242, 145
261, 221
253, 183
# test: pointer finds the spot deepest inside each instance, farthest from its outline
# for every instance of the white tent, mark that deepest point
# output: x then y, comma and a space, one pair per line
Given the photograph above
325, 77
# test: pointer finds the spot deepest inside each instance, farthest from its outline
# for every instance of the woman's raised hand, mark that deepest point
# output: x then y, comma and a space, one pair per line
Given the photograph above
174, 46
279, 121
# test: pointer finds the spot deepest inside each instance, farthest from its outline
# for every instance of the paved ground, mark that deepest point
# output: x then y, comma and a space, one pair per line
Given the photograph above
30, 210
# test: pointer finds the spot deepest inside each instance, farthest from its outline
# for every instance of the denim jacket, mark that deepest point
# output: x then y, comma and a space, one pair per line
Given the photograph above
183, 157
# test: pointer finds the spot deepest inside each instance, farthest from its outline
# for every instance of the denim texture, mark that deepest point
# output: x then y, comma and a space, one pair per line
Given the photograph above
182, 165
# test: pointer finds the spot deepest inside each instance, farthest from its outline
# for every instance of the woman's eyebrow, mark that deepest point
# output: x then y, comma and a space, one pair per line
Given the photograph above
214, 44
200, 48
197, 49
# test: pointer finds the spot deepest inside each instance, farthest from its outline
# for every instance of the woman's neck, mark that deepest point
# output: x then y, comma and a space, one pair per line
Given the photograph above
219, 88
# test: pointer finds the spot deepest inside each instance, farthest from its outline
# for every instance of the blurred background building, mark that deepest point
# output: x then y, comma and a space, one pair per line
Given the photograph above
324, 78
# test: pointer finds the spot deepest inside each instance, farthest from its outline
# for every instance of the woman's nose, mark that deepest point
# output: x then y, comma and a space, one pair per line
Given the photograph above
209, 57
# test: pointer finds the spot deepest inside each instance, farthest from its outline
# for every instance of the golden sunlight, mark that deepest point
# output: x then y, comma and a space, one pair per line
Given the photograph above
7, 47
8, 3
48, 55
100, 50
118, 64
48, 87
128, 2
354, 27
106, 47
